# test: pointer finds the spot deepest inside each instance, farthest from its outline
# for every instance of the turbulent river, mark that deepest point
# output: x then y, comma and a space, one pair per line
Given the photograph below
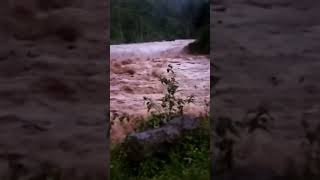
134, 73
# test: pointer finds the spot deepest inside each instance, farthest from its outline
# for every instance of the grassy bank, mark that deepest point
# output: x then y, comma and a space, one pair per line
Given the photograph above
186, 160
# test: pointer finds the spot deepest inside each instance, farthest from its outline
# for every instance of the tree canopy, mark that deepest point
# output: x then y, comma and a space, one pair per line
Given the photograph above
155, 20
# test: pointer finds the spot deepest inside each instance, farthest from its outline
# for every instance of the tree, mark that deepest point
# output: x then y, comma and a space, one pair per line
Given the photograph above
153, 20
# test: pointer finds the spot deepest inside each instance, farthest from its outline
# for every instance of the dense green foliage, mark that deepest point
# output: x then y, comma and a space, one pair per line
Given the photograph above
202, 24
155, 20
187, 160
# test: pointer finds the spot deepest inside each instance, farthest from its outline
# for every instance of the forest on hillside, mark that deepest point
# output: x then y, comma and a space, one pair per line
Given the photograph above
156, 20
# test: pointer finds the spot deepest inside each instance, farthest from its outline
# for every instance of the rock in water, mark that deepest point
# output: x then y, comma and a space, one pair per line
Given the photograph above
144, 144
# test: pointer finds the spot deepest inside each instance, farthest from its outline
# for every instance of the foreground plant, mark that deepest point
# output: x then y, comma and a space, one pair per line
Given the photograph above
171, 106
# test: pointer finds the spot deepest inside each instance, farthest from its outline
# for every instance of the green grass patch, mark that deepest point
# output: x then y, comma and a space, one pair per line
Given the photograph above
188, 159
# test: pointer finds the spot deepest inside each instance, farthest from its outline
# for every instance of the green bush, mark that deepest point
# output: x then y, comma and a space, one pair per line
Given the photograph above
171, 106
202, 44
202, 24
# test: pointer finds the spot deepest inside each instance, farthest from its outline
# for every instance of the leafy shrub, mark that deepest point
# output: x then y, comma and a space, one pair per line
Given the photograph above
171, 106
202, 44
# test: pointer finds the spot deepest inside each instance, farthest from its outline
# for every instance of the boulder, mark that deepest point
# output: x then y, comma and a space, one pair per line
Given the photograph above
144, 144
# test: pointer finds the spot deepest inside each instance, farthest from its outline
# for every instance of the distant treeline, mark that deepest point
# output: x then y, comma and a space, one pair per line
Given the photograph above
155, 20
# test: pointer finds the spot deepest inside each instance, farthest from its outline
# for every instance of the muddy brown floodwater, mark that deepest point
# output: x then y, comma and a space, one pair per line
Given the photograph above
135, 69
